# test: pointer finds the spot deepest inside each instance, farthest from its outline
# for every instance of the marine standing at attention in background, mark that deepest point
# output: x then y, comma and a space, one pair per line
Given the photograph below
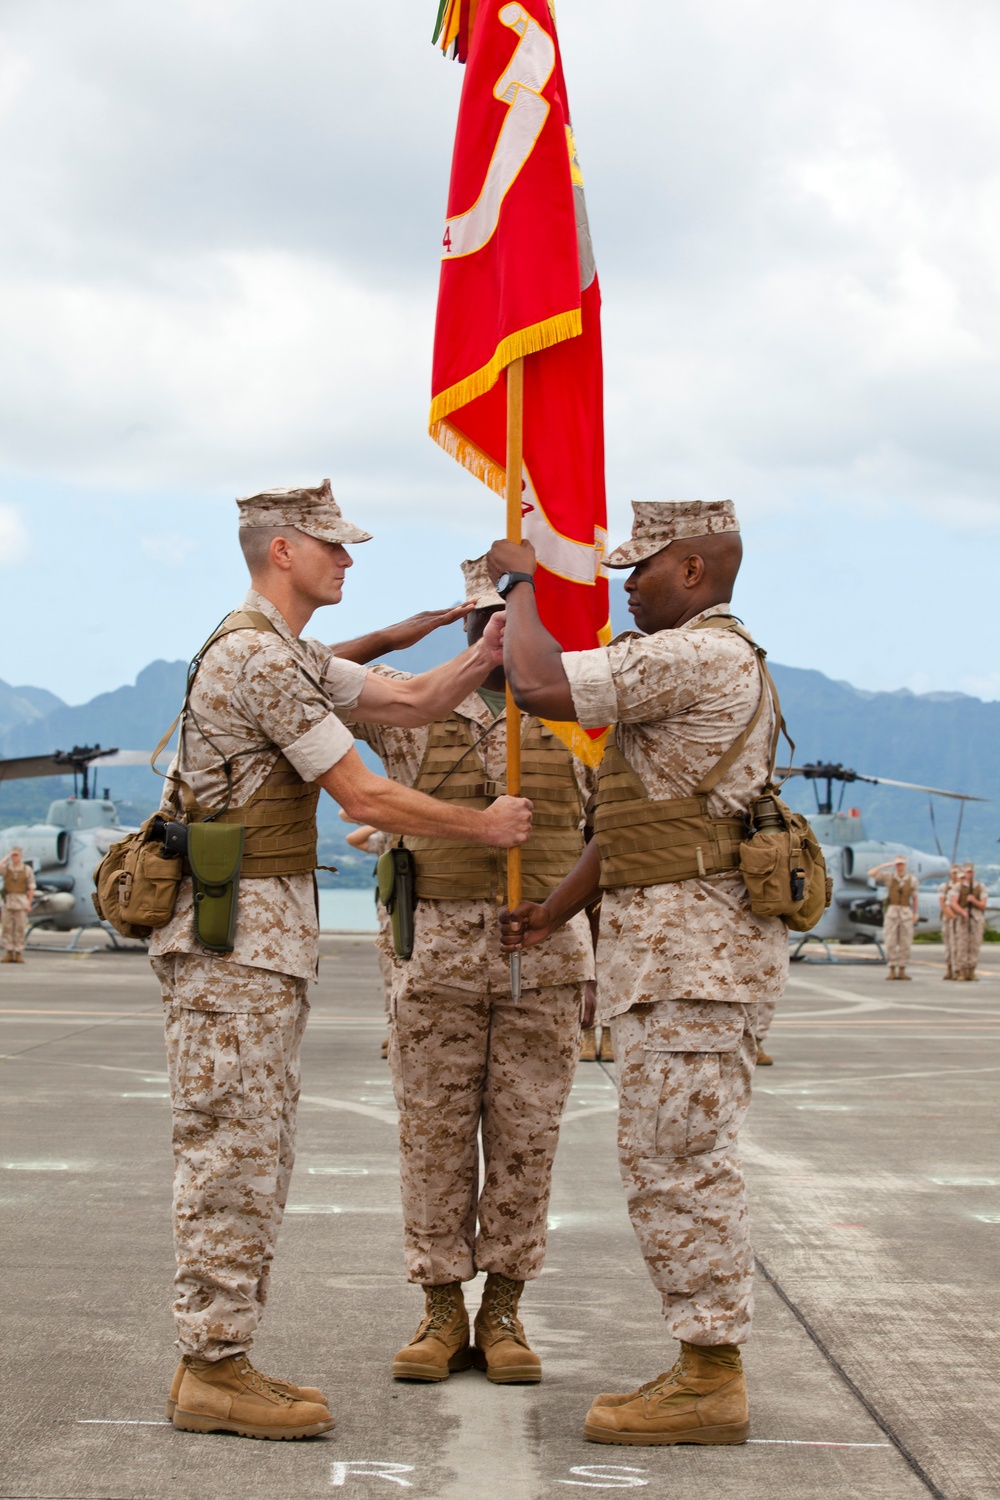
463, 1055
900, 913
261, 735
683, 961
967, 902
18, 896
948, 921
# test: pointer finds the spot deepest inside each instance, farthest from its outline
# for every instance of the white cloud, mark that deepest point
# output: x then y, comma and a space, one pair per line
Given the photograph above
14, 539
169, 547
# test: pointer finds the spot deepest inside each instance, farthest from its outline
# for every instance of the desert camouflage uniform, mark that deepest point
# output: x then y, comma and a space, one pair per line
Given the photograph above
464, 1056
682, 968
234, 1024
898, 921
947, 925
967, 932
16, 906
377, 844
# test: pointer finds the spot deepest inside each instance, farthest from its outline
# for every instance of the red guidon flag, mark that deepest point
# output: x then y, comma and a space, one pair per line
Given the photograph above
518, 279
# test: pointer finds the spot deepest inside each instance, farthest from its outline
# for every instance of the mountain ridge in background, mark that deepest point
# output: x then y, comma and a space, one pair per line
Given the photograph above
947, 740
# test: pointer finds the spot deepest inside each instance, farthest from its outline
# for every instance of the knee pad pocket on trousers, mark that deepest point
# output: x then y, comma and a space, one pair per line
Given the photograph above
225, 1063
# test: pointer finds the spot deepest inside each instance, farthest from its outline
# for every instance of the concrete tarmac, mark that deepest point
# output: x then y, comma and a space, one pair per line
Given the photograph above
875, 1193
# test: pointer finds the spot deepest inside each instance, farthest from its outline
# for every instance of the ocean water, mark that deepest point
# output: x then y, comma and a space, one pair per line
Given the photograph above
348, 910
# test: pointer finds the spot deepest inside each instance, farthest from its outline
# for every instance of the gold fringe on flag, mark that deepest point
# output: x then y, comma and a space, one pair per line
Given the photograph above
567, 325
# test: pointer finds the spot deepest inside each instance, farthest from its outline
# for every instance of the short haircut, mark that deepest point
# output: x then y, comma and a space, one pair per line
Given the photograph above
255, 543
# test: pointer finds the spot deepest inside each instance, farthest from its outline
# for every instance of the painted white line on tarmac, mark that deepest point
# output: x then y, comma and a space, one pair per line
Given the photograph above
809, 1443
387, 1116
117, 1422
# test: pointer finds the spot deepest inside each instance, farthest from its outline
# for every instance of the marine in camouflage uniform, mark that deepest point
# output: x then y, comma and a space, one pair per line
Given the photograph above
967, 902
261, 731
900, 913
464, 1057
683, 962
18, 894
948, 921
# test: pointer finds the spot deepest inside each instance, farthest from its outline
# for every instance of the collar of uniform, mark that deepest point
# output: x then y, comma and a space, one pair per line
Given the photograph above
706, 614
264, 606
475, 709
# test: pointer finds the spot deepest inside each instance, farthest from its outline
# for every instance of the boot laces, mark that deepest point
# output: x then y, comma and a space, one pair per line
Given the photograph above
440, 1310
259, 1382
503, 1309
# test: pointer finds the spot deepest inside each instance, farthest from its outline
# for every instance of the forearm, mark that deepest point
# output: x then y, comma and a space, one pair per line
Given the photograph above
580, 888
434, 694
533, 660
365, 648
368, 798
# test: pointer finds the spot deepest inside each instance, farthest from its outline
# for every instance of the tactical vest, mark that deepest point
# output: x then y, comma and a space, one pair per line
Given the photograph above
280, 817
15, 882
644, 841
280, 823
451, 771
900, 891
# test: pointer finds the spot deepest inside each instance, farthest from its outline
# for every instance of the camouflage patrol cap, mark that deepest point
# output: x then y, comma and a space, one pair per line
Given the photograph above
309, 509
479, 588
657, 523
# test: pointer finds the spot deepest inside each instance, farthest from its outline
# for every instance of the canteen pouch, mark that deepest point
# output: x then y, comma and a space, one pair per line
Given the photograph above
214, 854
136, 884
783, 867
395, 873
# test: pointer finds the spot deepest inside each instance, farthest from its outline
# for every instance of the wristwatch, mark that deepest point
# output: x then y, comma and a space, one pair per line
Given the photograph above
506, 582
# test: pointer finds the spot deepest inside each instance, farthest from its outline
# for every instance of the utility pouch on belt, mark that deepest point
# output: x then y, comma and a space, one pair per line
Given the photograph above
782, 865
214, 852
137, 881
396, 873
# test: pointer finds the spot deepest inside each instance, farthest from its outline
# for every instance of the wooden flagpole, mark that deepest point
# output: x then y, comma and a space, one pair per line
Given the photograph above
515, 432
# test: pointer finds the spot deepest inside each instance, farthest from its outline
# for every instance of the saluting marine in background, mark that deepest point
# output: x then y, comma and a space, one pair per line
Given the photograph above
18, 896
262, 733
683, 961
900, 913
464, 1057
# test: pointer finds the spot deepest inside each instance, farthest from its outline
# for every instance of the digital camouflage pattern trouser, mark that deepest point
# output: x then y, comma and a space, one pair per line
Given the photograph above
897, 935
233, 1036
967, 939
462, 1060
13, 928
684, 1074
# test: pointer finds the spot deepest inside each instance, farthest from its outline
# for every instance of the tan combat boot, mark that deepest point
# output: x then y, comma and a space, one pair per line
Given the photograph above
606, 1052
703, 1399
764, 1059
229, 1395
892, 972
441, 1343
611, 1398
502, 1348
8, 958
297, 1392
588, 1045
902, 974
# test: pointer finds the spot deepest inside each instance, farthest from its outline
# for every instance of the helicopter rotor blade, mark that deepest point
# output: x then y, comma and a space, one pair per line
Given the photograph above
912, 786
839, 773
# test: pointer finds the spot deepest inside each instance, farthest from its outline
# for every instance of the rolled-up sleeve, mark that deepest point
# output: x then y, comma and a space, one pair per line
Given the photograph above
592, 686
319, 748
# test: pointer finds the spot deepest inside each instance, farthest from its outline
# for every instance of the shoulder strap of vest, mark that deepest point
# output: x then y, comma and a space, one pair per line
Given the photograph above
768, 690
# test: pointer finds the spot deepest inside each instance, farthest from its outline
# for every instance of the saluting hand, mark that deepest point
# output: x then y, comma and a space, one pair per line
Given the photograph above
409, 632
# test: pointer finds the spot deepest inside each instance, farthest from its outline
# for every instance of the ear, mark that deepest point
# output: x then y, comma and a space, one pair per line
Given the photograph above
279, 553
694, 571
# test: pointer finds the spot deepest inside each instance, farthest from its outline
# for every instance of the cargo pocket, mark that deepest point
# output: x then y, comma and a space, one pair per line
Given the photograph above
224, 1063
697, 1050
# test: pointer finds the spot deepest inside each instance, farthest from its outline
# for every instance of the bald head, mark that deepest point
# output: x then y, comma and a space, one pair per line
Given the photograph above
690, 575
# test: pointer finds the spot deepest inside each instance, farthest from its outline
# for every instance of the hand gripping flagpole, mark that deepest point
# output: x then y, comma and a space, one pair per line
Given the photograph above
515, 430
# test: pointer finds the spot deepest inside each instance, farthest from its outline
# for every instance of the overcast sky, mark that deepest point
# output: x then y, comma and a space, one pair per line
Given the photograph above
218, 265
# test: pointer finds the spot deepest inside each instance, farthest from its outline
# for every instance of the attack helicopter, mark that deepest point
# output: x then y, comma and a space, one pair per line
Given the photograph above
77, 833
855, 913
